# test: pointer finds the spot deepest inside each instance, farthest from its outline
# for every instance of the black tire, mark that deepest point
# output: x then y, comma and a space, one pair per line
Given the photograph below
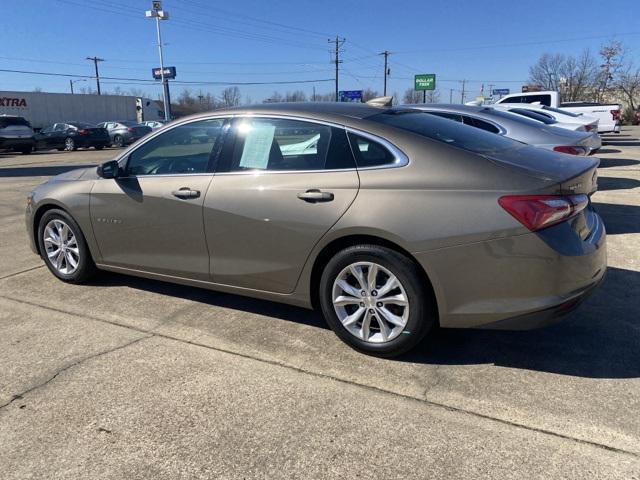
118, 141
422, 316
86, 267
70, 145
27, 150
99, 147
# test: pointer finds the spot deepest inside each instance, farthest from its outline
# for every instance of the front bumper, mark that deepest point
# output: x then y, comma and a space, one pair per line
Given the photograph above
517, 282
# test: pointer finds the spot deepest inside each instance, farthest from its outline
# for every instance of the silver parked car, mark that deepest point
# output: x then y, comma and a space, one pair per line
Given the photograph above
125, 132
516, 127
389, 220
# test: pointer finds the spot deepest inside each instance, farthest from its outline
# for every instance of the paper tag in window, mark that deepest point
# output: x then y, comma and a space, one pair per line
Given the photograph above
257, 146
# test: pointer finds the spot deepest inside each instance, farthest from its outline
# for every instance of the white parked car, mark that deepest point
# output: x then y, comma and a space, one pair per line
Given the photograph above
608, 115
563, 118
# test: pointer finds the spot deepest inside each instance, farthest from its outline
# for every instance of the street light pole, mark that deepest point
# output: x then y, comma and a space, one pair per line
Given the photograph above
71, 82
159, 14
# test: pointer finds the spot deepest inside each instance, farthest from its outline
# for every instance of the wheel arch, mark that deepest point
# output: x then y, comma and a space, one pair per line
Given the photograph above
333, 247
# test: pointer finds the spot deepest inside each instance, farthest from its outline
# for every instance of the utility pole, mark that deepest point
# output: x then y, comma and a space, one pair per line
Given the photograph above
339, 42
71, 82
95, 61
451, 95
491, 91
314, 93
386, 70
159, 14
462, 94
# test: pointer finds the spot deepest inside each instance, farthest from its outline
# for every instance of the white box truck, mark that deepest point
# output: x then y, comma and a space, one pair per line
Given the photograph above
43, 109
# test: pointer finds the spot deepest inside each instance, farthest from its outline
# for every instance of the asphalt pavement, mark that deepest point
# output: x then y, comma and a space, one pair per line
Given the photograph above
133, 378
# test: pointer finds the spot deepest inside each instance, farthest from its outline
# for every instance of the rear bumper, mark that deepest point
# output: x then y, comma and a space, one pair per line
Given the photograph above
519, 282
91, 142
16, 143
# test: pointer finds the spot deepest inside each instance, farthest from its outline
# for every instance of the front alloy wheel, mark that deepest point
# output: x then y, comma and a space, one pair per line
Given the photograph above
61, 247
370, 302
64, 248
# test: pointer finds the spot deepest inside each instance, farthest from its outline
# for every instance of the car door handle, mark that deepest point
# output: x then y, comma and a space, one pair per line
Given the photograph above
314, 195
186, 192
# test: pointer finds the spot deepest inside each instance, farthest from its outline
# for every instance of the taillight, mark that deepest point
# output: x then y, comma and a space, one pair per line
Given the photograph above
615, 114
541, 211
588, 128
82, 131
571, 150
130, 129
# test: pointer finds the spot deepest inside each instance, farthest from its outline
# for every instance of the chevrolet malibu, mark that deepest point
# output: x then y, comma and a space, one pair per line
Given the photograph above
389, 221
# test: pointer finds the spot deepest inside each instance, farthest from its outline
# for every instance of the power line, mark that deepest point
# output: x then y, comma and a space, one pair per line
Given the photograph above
181, 82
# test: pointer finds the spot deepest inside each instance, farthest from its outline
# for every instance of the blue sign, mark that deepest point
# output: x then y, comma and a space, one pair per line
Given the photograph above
500, 91
350, 96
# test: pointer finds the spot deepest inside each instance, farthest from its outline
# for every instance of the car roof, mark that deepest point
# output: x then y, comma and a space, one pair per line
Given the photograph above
328, 111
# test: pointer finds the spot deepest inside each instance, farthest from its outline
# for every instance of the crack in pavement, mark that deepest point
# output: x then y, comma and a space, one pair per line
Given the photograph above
21, 272
423, 401
21, 395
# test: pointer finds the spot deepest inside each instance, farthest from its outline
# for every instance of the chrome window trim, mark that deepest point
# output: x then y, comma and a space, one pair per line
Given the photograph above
401, 158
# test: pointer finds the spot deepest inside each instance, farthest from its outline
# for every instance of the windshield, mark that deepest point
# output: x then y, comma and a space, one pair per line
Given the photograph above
446, 131
10, 121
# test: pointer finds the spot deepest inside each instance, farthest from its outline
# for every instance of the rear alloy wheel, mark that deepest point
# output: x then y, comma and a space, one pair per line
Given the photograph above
118, 141
373, 299
69, 144
64, 248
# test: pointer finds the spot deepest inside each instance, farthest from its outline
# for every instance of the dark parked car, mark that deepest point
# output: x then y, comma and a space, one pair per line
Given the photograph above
71, 136
636, 117
124, 133
16, 134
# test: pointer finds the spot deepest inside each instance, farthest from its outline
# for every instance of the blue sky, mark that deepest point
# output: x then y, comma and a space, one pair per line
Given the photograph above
488, 42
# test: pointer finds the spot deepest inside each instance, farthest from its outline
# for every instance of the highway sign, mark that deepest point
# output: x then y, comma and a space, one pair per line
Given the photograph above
425, 81
500, 91
350, 95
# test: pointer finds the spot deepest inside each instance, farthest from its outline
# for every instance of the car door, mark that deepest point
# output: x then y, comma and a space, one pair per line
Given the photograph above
150, 217
280, 185
43, 137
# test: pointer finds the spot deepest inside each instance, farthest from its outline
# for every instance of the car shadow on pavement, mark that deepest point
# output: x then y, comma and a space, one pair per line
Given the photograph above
40, 171
619, 218
608, 150
601, 339
617, 162
217, 299
617, 183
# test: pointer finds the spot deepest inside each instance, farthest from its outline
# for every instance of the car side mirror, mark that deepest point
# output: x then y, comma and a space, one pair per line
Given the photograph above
109, 169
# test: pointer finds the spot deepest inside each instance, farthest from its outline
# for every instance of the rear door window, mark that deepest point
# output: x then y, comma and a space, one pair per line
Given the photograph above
277, 144
370, 153
476, 122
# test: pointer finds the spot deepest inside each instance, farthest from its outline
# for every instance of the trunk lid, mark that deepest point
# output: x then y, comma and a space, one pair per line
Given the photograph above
570, 174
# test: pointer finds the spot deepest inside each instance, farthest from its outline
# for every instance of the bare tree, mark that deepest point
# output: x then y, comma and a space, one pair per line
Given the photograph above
578, 76
546, 71
295, 96
612, 54
230, 97
276, 97
412, 96
628, 82
37, 89
368, 94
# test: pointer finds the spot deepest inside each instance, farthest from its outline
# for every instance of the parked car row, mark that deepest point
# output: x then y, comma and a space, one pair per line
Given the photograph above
16, 134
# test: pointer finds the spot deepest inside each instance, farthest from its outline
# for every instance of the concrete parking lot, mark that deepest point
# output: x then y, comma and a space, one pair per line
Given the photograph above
132, 378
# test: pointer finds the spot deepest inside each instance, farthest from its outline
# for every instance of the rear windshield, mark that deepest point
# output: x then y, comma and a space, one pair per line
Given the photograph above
557, 110
446, 131
82, 125
129, 124
11, 121
534, 115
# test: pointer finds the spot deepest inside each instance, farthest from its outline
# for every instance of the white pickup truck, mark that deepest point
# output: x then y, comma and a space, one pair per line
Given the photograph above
607, 114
